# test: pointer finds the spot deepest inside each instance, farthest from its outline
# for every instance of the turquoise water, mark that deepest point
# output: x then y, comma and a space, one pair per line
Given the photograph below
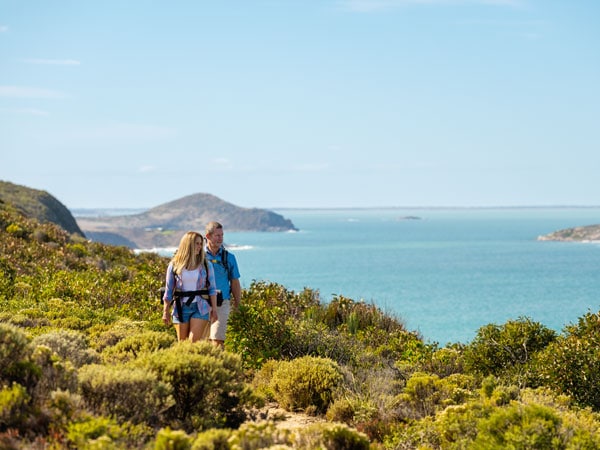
444, 275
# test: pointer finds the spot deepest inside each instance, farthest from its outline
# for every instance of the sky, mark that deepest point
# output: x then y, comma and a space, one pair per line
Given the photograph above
302, 104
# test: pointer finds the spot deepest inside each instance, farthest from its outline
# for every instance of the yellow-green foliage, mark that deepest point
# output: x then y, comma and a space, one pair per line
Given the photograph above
134, 345
330, 436
254, 436
168, 439
93, 433
214, 439
306, 383
206, 383
127, 393
14, 406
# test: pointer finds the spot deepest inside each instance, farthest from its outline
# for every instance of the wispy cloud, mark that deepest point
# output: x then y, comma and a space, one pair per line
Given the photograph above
29, 92
3, 29
147, 169
52, 62
378, 5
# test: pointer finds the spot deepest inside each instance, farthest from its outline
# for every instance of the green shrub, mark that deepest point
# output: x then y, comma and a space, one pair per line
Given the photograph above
70, 345
168, 439
16, 357
571, 364
307, 382
55, 373
213, 439
254, 436
132, 346
508, 349
14, 407
124, 392
105, 433
207, 384
330, 437
517, 426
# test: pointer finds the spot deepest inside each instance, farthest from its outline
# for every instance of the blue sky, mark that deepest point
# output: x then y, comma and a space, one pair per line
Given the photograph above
331, 103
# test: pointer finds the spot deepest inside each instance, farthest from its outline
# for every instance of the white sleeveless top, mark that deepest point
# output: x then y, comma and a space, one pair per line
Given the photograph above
189, 278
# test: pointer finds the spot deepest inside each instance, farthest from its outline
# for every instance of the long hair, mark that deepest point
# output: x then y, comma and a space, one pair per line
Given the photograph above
185, 257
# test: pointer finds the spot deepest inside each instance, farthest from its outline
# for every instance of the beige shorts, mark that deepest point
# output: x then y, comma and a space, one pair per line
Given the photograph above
217, 329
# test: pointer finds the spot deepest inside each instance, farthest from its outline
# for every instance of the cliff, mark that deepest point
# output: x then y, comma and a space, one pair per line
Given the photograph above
163, 225
39, 205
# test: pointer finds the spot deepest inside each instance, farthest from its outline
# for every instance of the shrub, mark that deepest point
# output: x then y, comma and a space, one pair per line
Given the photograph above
213, 439
507, 350
132, 346
571, 365
306, 382
330, 437
254, 436
56, 373
168, 439
14, 407
16, 357
106, 433
207, 384
70, 345
124, 392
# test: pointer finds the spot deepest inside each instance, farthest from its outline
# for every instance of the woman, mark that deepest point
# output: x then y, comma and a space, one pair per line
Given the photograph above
188, 273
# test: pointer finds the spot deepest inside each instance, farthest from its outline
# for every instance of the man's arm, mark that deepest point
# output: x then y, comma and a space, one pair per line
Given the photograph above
236, 292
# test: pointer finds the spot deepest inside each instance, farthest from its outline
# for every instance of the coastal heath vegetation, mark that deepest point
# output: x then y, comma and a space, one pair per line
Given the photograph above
85, 362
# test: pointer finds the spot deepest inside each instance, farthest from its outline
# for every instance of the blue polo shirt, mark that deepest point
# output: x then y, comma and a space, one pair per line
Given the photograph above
221, 278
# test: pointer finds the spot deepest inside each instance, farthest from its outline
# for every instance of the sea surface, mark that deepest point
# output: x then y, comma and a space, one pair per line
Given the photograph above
443, 272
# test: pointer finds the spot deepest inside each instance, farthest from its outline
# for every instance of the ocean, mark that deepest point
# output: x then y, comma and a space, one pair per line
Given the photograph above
443, 272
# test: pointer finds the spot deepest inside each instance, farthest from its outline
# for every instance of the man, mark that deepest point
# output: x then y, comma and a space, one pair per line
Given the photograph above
227, 279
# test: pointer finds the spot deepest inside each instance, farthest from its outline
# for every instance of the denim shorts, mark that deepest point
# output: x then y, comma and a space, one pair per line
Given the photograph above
188, 312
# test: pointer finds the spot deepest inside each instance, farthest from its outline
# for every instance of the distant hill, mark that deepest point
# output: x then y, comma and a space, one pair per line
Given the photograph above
39, 205
163, 225
580, 234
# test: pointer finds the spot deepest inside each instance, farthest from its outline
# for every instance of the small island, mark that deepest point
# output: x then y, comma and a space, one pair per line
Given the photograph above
588, 233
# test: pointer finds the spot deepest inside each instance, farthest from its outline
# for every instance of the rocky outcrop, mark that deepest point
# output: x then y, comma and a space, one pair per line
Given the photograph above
163, 226
579, 234
38, 205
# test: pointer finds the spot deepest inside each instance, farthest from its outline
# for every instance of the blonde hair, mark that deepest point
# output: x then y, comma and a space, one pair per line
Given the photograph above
185, 257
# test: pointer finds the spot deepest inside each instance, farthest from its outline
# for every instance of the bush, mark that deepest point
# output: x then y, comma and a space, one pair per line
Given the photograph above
16, 357
168, 439
507, 350
213, 439
306, 382
254, 436
104, 433
571, 364
70, 345
124, 392
132, 346
207, 384
330, 437
14, 407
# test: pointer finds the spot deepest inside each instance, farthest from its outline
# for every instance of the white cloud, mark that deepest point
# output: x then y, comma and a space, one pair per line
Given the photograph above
3, 29
147, 169
54, 62
29, 92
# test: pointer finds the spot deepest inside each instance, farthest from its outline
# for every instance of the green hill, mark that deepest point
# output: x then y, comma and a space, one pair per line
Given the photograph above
39, 205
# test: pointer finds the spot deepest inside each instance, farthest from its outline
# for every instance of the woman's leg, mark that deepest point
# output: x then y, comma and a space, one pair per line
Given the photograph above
197, 329
183, 330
